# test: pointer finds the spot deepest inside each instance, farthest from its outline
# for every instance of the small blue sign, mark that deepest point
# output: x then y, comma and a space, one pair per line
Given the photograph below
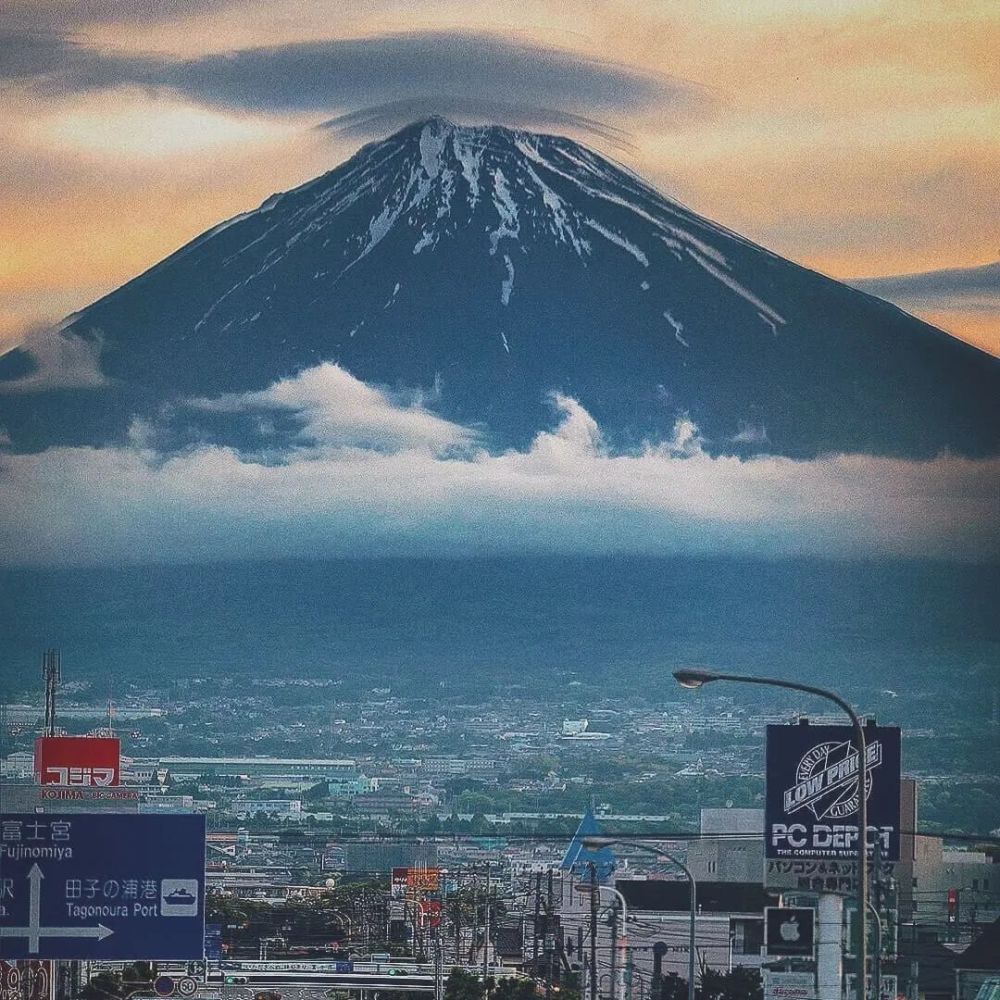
213, 942
111, 886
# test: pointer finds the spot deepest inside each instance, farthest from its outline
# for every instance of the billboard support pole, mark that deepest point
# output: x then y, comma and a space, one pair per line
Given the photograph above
829, 946
695, 678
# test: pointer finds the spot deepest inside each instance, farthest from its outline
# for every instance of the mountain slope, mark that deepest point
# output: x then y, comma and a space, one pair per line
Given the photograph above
490, 268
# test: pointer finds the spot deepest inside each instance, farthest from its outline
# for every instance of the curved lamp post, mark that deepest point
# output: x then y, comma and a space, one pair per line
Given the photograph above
595, 843
622, 937
693, 677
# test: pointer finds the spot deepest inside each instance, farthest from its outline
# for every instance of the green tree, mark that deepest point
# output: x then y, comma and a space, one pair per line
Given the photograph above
515, 989
318, 792
474, 802
462, 985
673, 987
737, 984
102, 986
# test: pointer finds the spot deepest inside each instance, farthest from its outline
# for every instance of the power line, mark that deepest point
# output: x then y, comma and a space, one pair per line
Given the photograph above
529, 836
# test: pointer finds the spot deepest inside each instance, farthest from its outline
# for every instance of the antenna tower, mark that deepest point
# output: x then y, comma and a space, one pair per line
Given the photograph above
51, 674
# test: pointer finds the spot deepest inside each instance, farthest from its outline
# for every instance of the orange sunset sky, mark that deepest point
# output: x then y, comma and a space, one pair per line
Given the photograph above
860, 138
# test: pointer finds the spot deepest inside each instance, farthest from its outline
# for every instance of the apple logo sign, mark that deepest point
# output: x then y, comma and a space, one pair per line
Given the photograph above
789, 930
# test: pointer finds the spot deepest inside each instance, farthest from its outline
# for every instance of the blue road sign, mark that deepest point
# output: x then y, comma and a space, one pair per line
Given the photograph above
112, 886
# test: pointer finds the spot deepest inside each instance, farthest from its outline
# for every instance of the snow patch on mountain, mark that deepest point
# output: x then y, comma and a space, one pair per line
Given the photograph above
562, 225
730, 282
524, 192
503, 201
678, 328
767, 321
471, 161
392, 298
428, 238
507, 286
432, 142
618, 240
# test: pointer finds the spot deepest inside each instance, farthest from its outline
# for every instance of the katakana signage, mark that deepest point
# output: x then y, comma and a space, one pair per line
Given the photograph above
813, 791
102, 886
789, 985
78, 761
408, 881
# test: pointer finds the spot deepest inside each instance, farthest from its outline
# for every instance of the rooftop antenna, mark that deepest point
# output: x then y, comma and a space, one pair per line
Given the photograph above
52, 674
111, 705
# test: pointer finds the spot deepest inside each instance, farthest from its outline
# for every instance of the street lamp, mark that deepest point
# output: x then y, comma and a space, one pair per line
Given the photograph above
621, 899
621, 940
693, 678
595, 843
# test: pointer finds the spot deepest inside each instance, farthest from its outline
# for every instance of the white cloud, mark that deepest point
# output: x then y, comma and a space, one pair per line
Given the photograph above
372, 474
748, 433
337, 410
62, 361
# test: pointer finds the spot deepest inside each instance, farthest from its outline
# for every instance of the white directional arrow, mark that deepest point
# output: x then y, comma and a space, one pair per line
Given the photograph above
34, 931
35, 877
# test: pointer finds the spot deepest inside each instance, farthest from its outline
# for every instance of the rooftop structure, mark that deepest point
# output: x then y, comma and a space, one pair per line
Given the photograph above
578, 858
251, 766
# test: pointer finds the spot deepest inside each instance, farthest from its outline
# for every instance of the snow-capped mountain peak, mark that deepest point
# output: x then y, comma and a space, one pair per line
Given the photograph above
502, 266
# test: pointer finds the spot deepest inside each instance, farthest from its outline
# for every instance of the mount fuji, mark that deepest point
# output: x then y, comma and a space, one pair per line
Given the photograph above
483, 270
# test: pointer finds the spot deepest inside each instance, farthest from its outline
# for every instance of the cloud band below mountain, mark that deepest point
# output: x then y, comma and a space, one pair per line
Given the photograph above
373, 474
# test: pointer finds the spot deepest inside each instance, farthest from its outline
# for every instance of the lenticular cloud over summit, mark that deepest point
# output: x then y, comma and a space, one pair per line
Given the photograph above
362, 471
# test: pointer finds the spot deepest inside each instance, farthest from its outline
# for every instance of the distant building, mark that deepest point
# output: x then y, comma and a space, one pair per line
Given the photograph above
18, 766
579, 729
731, 846
348, 786
288, 809
749, 822
378, 856
167, 804
979, 964
729, 927
185, 768
386, 804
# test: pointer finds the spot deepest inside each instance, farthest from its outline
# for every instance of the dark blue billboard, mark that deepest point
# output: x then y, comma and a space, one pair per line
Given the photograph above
812, 795
109, 886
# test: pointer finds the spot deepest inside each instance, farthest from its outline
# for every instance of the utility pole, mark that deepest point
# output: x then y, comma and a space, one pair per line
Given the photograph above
475, 917
592, 868
548, 945
877, 902
538, 913
614, 949
486, 938
438, 966
549, 940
